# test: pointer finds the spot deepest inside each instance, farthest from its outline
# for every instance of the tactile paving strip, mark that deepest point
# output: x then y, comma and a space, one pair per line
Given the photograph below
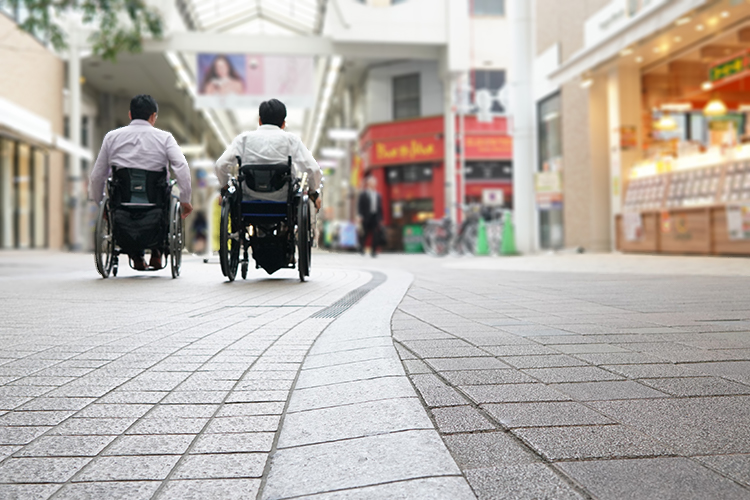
340, 306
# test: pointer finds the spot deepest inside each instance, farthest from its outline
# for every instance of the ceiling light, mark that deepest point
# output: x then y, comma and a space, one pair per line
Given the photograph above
666, 123
588, 82
700, 27
626, 52
713, 21
682, 20
715, 107
328, 164
332, 152
707, 86
342, 134
677, 106
677, 39
725, 14
639, 59
743, 108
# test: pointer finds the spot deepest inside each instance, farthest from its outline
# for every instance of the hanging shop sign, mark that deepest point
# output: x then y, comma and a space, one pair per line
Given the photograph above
738, 222
489, 146
729, 68
405, 151
234, 81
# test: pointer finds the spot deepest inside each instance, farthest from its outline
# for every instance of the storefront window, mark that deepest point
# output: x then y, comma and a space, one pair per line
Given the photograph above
489, 170
492, 80
408, 173
548, 193
39, 190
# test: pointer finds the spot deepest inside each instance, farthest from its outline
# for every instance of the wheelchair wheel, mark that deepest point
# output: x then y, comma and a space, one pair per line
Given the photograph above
229, 244
304, 240
104, 243
176, 237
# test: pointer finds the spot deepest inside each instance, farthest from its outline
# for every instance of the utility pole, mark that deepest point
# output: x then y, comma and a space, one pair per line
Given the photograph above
522, 112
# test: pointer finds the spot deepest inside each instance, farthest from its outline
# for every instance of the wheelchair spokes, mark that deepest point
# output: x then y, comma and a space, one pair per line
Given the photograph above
104, 244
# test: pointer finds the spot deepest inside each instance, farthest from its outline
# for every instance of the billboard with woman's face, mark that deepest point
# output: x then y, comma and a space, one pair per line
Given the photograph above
242, 81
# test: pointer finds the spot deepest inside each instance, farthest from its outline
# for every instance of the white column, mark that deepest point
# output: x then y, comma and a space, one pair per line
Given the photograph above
77, 193
449, 131
522, 111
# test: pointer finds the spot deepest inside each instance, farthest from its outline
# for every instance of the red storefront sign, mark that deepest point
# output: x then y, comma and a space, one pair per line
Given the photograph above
489, 146
406, 151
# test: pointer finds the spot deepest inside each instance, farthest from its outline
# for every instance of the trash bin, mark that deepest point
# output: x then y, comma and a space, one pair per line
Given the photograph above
413, 239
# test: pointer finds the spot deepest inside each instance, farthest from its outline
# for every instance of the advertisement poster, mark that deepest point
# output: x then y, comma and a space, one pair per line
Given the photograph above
738, 222
632, 226
233, 81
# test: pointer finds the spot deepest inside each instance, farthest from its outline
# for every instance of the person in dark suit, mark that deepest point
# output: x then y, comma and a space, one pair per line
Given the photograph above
370, 210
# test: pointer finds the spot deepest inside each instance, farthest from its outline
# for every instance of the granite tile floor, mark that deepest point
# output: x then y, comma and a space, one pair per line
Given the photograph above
607, 377
549, 377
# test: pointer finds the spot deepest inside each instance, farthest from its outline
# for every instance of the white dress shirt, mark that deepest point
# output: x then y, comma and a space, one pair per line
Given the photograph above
269, 144
139, 145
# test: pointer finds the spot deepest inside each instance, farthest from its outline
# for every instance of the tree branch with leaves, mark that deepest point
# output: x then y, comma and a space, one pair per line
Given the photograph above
119, 25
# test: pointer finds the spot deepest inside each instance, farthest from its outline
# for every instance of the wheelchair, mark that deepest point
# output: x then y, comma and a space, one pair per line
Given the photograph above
266, 209
138, 212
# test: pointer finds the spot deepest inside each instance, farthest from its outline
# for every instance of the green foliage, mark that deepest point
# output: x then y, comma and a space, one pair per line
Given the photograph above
119, 25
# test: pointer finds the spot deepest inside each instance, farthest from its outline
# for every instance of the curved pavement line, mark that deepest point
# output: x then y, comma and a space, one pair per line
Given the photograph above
354, 426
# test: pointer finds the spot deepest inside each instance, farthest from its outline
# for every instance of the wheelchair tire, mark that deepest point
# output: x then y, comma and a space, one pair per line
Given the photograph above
304, 241
244, 270
104, 242
176, 237
229, 248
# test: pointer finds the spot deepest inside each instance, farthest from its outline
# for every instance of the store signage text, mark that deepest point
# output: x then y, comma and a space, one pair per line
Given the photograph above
494, 147
617, 15
412, 150
726, 69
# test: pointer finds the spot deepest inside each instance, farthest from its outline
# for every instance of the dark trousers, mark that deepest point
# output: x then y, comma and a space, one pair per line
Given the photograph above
370, 228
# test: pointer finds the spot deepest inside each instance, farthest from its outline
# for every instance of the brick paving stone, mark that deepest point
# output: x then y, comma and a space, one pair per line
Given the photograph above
545, 414
225, 489
571, 374
234, 443
219, 466
132, 490
736, 467
697, 386
150, 445
513, 393
128, 468
608, 441
40, 470
27, 491
455, 364
460, 419
520, 482
593, 391
487, 449
542, 361
486, 377
66, 446
656, 478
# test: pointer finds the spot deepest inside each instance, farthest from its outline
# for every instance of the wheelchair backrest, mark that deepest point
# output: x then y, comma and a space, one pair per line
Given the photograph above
138, 187
266, 178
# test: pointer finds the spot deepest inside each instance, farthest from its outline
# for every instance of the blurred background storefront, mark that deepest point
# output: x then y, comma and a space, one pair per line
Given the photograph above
644, 114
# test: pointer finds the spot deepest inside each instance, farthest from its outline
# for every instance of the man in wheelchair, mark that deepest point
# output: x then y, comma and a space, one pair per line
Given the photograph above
137, 157
273, 166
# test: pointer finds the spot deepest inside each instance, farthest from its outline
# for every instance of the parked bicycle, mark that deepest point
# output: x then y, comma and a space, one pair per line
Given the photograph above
441, 236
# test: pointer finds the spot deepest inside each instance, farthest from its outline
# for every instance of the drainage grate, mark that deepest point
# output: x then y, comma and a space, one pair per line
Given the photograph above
340, 306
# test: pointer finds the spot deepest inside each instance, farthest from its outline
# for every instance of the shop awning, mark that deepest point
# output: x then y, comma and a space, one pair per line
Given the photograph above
630, 33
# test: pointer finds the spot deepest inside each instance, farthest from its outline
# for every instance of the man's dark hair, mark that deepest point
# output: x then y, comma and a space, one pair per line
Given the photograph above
272, 112
142, 107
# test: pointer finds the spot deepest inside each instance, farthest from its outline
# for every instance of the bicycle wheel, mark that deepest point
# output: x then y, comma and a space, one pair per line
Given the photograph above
104, 243
468, 240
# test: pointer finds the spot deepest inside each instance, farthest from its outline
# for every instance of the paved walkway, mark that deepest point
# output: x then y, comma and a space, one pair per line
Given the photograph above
553, 377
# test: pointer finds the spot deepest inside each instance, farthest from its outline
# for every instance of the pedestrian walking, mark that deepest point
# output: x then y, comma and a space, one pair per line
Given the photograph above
370, 210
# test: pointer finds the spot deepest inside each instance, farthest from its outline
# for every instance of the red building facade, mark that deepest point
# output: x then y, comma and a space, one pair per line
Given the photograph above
408, 160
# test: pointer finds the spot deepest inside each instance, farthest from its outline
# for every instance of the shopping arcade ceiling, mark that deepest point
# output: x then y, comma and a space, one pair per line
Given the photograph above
254, 17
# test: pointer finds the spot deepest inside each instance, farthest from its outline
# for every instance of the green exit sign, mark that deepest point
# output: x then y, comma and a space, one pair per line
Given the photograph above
729, 68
